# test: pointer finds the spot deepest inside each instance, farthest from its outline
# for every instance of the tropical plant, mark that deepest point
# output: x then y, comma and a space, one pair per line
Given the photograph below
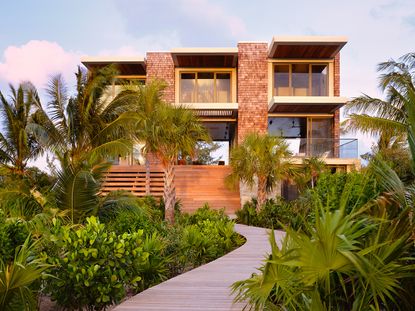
83, 131
16, 277
17, 146
93, 268
167, 131
260, 158
343, 261
393, 116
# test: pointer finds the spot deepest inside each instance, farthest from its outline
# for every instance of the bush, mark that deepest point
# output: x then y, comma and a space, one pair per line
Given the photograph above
13, 234
93, 268
275, 213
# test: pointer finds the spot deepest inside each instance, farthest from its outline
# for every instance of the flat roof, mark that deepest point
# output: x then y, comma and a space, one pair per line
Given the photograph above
205, 57
210, 50
306, 46
133, 65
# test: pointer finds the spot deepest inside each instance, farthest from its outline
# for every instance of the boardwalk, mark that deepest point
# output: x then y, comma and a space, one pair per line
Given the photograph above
207, 287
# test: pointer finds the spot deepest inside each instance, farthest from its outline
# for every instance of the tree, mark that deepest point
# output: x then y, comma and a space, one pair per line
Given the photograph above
261, 157
391, 117
83, 131
167, 132
17, 146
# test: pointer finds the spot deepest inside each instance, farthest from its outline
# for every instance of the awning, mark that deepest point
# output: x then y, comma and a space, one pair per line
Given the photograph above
306, 104
306, 47
128, 66
205, 57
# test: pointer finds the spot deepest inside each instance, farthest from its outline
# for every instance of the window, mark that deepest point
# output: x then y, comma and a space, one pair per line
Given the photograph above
301, 79
205, 87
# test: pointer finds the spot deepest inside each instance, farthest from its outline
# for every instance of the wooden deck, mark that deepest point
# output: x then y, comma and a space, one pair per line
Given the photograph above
207, 287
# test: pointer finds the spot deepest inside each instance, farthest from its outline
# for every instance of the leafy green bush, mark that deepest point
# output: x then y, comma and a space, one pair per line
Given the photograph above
13, 234
93, 268
275, 213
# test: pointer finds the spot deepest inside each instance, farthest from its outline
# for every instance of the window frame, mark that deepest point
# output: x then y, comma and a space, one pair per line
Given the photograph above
215, 71
330, 75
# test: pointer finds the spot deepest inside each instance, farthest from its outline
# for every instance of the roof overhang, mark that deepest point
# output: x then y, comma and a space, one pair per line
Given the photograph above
306, 104
205, 57
306, 47
129, 66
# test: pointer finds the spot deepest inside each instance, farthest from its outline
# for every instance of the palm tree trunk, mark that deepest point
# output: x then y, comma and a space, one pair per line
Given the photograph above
262, 192
169, 192
147, 176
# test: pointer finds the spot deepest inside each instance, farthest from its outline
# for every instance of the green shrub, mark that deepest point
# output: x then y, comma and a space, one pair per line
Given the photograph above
156, 268
13, 234
275, 213
93, 268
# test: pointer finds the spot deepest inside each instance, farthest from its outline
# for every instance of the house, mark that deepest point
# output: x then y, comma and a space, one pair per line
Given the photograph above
289, 88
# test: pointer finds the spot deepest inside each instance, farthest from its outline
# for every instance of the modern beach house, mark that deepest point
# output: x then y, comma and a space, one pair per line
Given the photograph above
288, 88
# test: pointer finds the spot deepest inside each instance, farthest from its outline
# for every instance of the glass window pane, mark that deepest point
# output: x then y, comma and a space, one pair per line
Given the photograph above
319, 80
321, 142
205, 87
223, 87
300, 79
187, 87
282, 80
288, 127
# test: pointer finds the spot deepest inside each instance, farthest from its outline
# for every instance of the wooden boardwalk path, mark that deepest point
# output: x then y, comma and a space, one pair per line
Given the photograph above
207, 287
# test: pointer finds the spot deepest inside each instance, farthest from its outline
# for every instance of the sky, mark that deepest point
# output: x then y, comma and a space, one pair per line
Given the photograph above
41, 38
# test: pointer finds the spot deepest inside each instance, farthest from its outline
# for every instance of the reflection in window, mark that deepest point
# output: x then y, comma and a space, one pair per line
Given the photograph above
319, 80
301, 79
205, 87
282, 80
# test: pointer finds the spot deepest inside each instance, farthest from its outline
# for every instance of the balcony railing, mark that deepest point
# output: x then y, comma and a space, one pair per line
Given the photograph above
323, 147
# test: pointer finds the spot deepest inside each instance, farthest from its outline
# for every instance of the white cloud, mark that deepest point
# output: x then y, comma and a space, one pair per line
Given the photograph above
36, 61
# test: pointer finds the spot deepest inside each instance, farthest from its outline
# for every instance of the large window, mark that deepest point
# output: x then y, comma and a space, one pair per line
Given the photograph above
301, 79
205, 87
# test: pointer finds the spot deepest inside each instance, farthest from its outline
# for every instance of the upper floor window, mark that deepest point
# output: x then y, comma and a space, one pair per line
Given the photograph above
301, 79
205, 87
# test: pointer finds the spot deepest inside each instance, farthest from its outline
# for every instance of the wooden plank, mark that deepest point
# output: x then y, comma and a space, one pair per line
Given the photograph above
207, 287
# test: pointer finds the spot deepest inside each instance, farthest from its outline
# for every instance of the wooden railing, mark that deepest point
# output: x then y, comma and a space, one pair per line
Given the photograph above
133, 179
195, 185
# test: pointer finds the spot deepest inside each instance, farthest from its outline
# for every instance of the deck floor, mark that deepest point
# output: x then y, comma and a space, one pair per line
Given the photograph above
207, 287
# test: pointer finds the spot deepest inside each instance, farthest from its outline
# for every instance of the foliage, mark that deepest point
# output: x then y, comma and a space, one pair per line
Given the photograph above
362, 188
261, 159
275, 213
16, 277
13, 234
204, 151
93, 268
166, 131
17, 146
356, 260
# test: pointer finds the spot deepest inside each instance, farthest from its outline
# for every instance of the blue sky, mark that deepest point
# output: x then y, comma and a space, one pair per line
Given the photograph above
43, 37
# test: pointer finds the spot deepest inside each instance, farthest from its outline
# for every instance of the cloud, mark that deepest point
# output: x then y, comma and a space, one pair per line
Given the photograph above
36, 61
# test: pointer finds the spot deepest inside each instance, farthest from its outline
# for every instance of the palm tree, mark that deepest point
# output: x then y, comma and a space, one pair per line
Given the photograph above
391, 116
148, 102
17, 146
168, 131
83, 131
313, 167
261, 157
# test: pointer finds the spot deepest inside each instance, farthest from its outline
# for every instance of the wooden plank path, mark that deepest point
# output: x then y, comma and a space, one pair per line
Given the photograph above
207, 287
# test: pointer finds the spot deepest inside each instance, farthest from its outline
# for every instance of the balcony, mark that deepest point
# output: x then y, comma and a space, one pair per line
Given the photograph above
344, 148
